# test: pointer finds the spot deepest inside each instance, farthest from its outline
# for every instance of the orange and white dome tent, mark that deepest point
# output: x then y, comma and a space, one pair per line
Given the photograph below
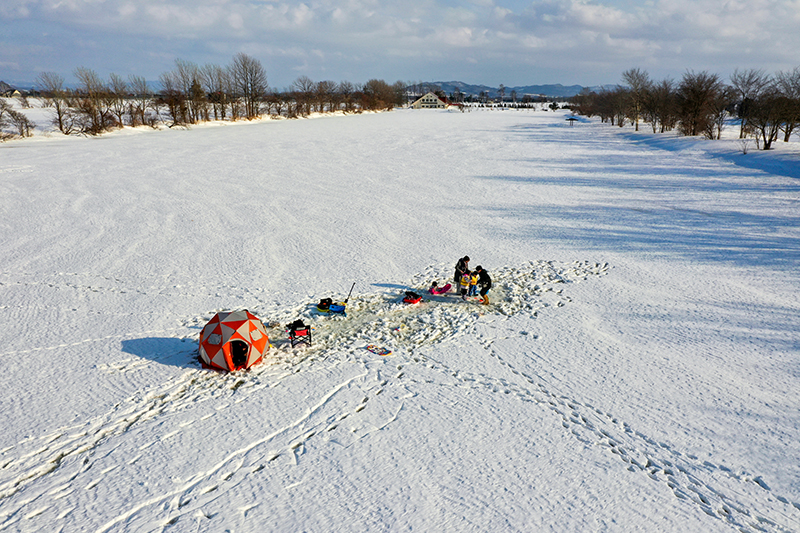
233, 341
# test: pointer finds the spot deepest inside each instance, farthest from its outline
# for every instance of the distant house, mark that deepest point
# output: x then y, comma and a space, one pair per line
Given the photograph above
429, 101
7, 90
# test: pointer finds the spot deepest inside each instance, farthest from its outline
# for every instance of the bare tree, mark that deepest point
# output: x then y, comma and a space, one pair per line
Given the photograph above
418, 89
92, 103
22, 123
327, 96
22, 98
378, 95
185, 80
718, 112
767, 114
183, 93
234, 98
275, 102
5, 114
197, 96
214, 80
399, 91
583, 103
458, 96
747, 86
346, 90
695, 95
666, 108
604, 105
611, 105
140, 98
638, 82
117, 95
174, 99
304, 90
18, 121
620, 105
658, 106
51, 85
788, 84
250, 81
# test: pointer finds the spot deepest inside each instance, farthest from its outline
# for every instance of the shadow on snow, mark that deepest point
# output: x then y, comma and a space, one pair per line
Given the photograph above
168, 351
767, 161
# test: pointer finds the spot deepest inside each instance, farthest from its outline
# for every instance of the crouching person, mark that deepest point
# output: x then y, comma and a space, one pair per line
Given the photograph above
485, 281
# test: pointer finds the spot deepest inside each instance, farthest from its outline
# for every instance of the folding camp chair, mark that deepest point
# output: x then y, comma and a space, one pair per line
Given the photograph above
299, 333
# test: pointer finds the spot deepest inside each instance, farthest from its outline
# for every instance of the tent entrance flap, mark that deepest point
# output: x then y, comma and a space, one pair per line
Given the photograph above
239, 351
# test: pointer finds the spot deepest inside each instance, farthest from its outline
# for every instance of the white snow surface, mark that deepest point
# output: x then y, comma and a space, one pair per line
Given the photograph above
637, 370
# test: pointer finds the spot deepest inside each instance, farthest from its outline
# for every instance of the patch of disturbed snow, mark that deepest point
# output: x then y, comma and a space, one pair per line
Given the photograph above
382, 318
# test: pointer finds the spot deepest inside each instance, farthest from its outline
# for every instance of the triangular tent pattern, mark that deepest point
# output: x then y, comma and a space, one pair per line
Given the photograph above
233, 341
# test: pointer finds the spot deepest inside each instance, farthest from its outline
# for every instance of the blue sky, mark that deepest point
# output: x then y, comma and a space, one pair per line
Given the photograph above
489, 42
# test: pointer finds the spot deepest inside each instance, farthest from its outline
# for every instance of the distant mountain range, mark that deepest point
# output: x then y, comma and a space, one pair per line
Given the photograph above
553, 90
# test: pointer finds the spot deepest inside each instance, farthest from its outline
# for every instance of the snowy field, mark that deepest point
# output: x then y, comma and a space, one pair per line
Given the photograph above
637, 370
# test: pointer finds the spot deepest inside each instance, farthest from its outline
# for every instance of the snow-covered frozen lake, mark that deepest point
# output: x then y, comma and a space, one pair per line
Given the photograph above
637, 370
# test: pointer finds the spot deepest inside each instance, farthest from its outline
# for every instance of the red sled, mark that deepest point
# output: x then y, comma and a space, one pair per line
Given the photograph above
439, 290
378, 350
412, 298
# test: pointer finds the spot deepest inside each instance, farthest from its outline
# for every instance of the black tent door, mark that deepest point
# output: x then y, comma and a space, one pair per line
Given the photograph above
239, 351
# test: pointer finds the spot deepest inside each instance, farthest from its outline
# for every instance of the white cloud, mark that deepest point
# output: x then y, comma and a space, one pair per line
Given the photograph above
126, 10
15, 10
598, 38
457, 37
501, 13
531, 41
599, 17
235, 21
302, 15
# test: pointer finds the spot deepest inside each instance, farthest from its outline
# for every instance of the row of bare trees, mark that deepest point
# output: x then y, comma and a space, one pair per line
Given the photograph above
95, 105
701, 104
190, 94
306, 96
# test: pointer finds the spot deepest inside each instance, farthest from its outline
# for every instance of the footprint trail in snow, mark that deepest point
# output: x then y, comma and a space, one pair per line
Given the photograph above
45, 479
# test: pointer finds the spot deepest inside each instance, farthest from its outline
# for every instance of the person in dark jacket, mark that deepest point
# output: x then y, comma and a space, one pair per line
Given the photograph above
485, 281
461, 267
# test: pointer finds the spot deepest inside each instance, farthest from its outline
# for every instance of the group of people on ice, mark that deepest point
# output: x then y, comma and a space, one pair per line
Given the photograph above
466, 281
